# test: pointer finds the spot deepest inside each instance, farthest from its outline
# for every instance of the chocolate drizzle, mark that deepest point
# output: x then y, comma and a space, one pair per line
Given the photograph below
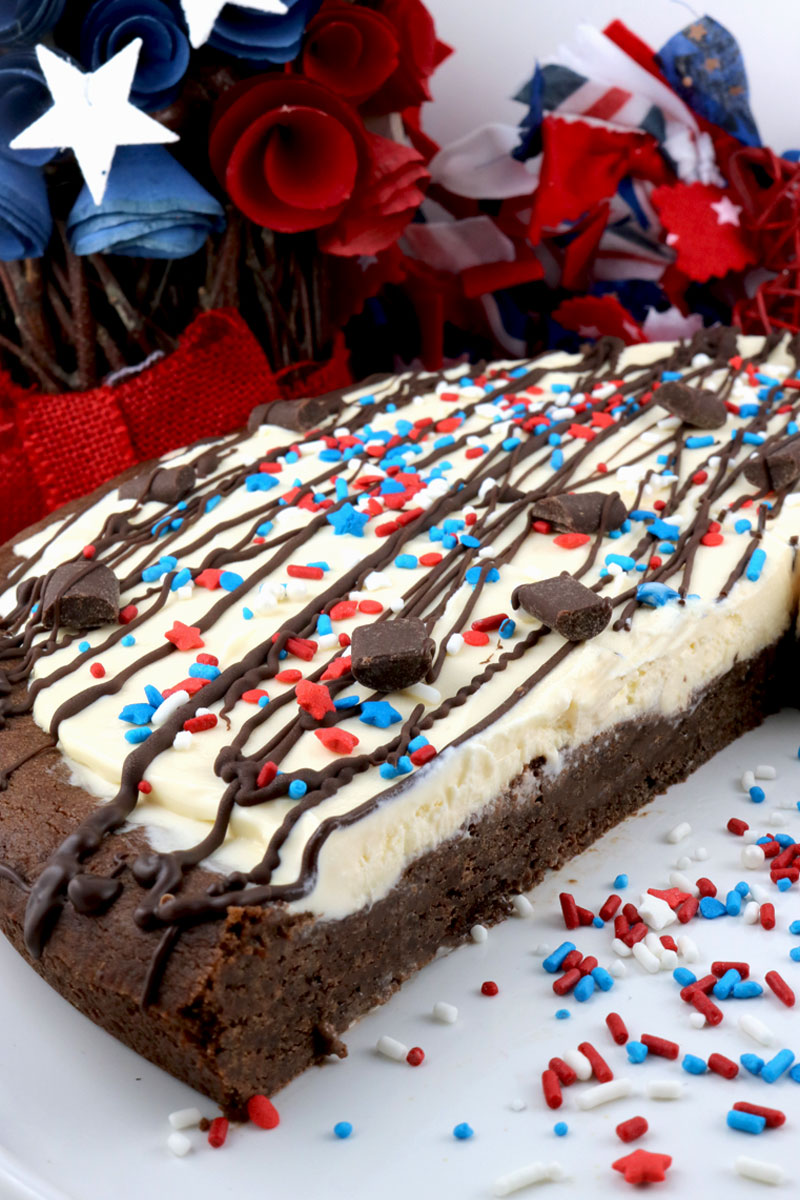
570, 499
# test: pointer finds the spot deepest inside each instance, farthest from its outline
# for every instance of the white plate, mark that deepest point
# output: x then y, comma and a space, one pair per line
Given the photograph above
83, 1118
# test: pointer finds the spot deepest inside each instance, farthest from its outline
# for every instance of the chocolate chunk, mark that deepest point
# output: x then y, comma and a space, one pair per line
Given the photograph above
510, 494
580, 512
776, 471
297, 415
564, 604
695, 406
92, 893
207, 463
390, 655
86, 595
167, 485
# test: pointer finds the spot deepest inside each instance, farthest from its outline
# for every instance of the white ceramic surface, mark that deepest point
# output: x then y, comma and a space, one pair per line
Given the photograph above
83, 1118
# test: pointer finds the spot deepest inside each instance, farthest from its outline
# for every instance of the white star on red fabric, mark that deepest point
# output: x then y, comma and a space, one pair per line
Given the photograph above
92, 114
202, 14
727, 212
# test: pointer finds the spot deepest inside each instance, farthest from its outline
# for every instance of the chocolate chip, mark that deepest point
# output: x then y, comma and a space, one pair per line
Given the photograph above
166, 485
581, 512
92, 894
207, 463
297, 415
390, 655
566, 605
86, 595
694, 406
776, 471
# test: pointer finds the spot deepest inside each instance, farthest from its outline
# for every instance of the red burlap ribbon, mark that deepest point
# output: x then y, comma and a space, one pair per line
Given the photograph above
55, 448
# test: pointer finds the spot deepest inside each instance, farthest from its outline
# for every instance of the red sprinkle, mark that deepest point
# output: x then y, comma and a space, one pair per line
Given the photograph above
635, 934
669, 943
292, 675
705, 887
621, 926
430, 560
184, 637
632, 913
617, 1028
585, 915
487, 624
610, 907
97, 670
723, 1066
262, 1112
688, 909
566, 982
144, 787
343, 610
423, 755
475, 637
127, 614
266, 774
415, 1056
337, 740
700, 985
218, 1132
563, 1071
719, 968
660, 1046
201, 723
297, 571
735, 825
633, 1128
602, 1071
253, 695
89, 551
705, 1005
767, 916
573, 959
571, 541
588, 964
314, 698
773, 1116
370, 606
210, 660
570, 910
541, 526
489, 988
780, 987
552, 1089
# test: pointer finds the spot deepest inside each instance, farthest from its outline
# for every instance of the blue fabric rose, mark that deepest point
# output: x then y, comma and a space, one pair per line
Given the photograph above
111, 24
25, 221
263, 37
24, 21
152, 208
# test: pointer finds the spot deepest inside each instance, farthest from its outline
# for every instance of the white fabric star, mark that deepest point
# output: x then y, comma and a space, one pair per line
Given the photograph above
201, 14
91, 113
727, 212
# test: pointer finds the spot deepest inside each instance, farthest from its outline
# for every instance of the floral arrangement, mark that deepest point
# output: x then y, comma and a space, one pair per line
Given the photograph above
273, 148
634, 199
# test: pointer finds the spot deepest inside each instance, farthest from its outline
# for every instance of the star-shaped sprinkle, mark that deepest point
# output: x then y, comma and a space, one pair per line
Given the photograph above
347, 520
201, 15
92, 114
185, 637
727, 212
643, 1166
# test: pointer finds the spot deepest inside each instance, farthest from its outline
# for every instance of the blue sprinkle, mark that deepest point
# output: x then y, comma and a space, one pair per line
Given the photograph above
667, 548
554, 960
474, 573
508, 628
391, 487
757, 795
341, 488
324, 624
453, 525
794, 927
603, 979
262, 482
137, 714
746, 1122
387, 771
468, 540
323, 566
346, 520
743, 525
584, 988
342, 1129
446, 440
664, 529
749, 410
137, 735
622, 560
83, 647
560, 387
694, 1065
794, 954
230, 581
684, 976
263, 701
554, 439
752, 439
733, 903
711, 907
407, 561
636, 1051
176, 524
725, 985
561, 1129
671, 376
128, 640
203, 671
292, 456
747, 990
449, 540
795, 1073
463, 1131
655, 595
777, 1066
793, 428
379, 713
743, 888
330, 455
699, 443
404, 765
784, 884
346, 702
751, 1063
784, 839
557, 459
642, 514
212, 502
563, 1014
755, 565
511, 443
153, 695
417, 743
621, 882
598, 923
183, 576
297, 789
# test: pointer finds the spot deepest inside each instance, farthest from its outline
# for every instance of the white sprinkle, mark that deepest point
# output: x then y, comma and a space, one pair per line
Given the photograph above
792, 500
604, 1093
653, 943
753, 857
669, 960
182, 740
750, 914
646, 958
518, 1106
479, 934
185, 1118
326, 641
651, 437
341, 431
748, 779
665, 1089
777, 818
455, 643
679, 880
697, 1020
579, 1063
683, 863
679, 832
179, 1144
700, 854
168, 707
618, 969
749, 836
543, 949
536, 1172
487, 551
266, 600
615, 569
446, 1013
425, 692
522, 906
185, 591
397, 604
376, 580
486, 487
621, 948
756, 1029
389, 1047
758, 892
755, 1168
655, 912
765, 772
202, 712
296, 589
687, 948
669, 423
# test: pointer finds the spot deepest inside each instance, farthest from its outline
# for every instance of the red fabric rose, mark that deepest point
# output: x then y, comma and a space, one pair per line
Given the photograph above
294, 156
420, 55
350, 50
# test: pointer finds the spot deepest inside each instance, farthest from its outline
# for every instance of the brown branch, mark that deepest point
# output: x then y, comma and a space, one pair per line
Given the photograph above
83, 318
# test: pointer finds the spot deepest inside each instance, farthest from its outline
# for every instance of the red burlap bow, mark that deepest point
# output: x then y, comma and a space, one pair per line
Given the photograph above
768, 189
55, 448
